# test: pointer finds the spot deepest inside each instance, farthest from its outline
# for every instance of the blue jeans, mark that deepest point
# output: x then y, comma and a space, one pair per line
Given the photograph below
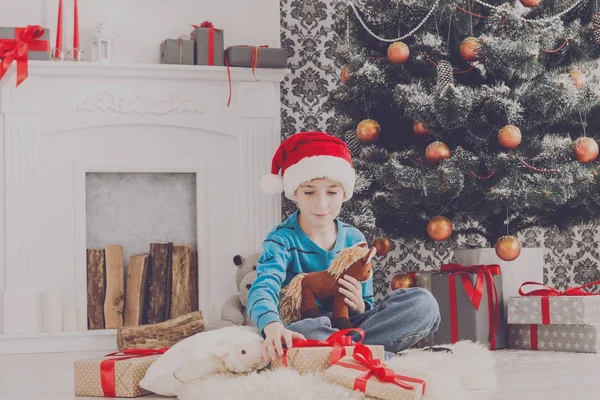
404, 317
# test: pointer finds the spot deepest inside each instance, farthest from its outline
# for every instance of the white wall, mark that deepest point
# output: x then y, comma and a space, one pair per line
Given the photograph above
140, 25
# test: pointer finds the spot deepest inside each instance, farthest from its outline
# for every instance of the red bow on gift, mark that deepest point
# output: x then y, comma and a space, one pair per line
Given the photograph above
374, 367
26, 39
475, 294
548, 292
107, 367
338, 341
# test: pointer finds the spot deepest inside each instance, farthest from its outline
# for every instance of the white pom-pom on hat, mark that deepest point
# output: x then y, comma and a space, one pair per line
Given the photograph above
271, 184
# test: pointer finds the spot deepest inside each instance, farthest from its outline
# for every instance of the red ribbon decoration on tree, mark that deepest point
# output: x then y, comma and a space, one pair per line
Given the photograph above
26, 39
549, 291
338, 341
485, 277
107, 367
374, 367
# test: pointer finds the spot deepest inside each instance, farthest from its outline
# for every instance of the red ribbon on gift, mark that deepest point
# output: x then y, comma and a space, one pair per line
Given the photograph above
485, 277
211, 39
549, 291
255, 62
533, 335
374, 367
107, 367
339, 340
26, 39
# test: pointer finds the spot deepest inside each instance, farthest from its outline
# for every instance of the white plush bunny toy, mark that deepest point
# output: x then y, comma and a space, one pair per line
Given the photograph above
236, 349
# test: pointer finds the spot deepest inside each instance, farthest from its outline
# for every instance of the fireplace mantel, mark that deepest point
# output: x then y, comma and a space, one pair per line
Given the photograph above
68, 119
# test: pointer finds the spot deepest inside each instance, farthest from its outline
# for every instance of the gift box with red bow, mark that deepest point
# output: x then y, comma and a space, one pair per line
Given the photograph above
317, 355
547, 305
366, 373
570, 338
116, 374
471, 305
209, 43
19, 45
256, 57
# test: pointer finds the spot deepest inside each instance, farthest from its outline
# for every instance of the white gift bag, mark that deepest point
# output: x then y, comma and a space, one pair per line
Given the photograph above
529, 266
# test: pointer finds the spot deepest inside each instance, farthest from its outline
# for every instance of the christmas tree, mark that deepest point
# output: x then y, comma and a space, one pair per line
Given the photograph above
470, 116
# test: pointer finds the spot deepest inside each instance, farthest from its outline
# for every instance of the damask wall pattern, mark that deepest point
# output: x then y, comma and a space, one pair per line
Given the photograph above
570, 258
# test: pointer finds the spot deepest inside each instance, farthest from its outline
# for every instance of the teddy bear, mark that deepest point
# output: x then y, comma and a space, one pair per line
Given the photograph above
233, 349
234, 310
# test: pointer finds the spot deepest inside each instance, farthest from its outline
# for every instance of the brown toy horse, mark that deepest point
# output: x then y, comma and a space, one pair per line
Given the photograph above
298, 298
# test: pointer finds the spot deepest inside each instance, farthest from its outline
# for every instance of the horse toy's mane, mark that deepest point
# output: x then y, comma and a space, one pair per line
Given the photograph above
298, 298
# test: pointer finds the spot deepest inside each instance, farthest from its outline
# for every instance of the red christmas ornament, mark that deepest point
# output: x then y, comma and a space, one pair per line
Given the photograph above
345, 75
578, 77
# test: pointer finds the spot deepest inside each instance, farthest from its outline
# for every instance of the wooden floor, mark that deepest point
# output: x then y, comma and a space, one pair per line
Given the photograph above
523, 375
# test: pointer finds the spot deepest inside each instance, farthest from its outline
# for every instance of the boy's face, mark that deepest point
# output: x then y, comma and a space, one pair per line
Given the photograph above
320, 201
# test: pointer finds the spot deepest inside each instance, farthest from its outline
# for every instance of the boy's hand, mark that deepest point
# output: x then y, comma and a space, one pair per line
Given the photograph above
275, 335
352, 289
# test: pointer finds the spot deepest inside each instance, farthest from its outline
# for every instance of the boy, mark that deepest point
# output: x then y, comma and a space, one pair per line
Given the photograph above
318, 175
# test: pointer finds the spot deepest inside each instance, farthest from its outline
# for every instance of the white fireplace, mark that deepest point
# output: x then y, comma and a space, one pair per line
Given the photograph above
71, 119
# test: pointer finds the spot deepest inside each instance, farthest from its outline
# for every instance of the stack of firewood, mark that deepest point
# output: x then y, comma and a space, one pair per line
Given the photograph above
159, 286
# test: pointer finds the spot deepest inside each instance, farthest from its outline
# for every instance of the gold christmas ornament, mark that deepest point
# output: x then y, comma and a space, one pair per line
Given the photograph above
402, 281
531, 3
439, 228
398, 52
420, 130
509, 136
345, 74
469, 48
436, 152
508, 248
585, 150
383, 246
579, 79
368, 131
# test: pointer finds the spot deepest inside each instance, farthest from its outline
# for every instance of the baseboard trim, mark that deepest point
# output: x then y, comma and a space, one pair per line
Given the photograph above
59, 342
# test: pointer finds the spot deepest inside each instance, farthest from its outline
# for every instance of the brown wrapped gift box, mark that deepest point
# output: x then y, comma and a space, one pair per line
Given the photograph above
128, 374
316, 359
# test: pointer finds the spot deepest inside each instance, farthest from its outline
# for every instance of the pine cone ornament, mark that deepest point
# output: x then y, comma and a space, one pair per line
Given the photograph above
445, 75
353, 143
596, 27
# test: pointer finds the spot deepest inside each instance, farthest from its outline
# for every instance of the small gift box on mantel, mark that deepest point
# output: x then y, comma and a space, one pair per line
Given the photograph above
209, 44
317, 355
177, 51
369, 375
256, 57
116, 374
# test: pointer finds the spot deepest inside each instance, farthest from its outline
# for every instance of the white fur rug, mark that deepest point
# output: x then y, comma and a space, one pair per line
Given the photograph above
463, 375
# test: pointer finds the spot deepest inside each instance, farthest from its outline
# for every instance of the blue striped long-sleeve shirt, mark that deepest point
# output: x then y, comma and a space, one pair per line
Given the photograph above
288, 251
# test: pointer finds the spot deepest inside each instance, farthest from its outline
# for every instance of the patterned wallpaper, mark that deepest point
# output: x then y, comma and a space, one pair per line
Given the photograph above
571, 258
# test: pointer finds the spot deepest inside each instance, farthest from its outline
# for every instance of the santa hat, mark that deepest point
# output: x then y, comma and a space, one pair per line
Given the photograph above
306, 156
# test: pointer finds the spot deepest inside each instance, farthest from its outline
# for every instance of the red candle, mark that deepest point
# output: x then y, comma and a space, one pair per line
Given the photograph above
59, 31
75, 30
